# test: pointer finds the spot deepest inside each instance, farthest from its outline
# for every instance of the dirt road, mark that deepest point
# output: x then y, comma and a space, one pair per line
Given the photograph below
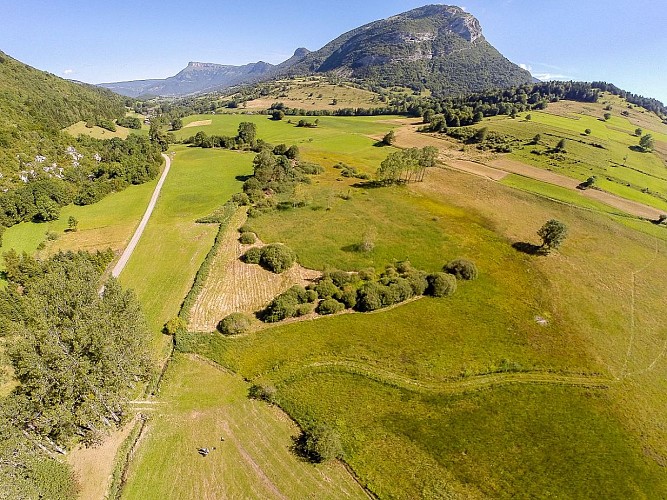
127, 253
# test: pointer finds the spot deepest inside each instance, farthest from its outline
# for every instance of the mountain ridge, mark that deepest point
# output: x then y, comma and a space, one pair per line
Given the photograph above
439, 47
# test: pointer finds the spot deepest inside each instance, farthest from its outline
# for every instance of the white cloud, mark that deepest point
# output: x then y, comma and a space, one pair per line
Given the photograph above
525, 66
68, 72
551, 76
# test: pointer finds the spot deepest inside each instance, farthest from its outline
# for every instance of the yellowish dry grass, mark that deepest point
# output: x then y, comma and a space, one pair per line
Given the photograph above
233, 286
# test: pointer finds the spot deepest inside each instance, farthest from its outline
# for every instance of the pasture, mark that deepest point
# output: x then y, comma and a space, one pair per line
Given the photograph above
203, 406
384, 380
173, 246
609, 152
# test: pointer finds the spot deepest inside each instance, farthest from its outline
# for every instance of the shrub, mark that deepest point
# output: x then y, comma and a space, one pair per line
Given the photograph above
348, 296
277, 258
263, 392
299, 293
247, 238
245, 228
463, 269
367, 274
173, 326
304, 309
242, 199
417, 280
234, 324
311, 295
282, 307
441, 285
340, 278
369, 297
319, 444
326, 289
252, 256
401, 290
330, 306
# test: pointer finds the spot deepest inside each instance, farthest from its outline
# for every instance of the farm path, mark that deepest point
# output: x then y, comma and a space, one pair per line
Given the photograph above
468, 384
233, 286
127, 253
498, 168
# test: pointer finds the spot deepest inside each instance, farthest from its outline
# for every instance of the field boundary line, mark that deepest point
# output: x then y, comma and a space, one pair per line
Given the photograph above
467, 384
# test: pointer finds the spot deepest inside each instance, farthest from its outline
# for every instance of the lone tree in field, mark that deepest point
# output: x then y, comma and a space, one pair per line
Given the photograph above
560, 147
647, 143
553, 233
72, 223
389, 138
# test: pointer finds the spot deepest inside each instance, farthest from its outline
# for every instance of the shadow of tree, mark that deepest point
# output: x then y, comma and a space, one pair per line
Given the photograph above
528, 248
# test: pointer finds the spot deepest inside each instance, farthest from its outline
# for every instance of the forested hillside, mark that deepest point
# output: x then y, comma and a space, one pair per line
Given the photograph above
41, 167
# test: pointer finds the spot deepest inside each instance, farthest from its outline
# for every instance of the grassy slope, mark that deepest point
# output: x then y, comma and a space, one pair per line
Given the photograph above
108, 223
583, 291
619, 168
254, 460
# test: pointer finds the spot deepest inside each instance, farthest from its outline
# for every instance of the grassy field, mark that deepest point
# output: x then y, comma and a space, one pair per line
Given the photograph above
201, 404
355, 372
80, 128
106, 224
315, 93
173, 246
620, 168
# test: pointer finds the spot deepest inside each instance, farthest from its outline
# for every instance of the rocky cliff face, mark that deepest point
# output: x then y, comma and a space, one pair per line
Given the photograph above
439, 47
430, 46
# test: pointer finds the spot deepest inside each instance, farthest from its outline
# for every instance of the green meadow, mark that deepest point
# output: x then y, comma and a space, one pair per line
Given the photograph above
363, 373
609, 152
249, 442
173, 246
461, 397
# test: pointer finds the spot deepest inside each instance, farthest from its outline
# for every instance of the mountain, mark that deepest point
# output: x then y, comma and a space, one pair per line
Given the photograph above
439, 47
196, 77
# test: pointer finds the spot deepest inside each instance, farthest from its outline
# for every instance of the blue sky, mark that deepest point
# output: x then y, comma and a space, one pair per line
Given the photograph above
623, 42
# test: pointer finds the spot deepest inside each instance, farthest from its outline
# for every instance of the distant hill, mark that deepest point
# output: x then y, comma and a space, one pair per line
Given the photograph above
32, 99
196, 77
436, 47
43, 168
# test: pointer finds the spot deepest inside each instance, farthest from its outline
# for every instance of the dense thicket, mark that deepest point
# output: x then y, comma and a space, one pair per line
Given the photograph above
82, 170
77, 355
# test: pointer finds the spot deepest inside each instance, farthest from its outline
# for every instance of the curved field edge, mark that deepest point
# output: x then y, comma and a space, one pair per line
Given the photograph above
249, 444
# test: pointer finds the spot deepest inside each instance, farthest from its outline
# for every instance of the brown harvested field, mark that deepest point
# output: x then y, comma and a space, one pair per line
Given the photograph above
233, 286
199, 123
315, 94
93, 466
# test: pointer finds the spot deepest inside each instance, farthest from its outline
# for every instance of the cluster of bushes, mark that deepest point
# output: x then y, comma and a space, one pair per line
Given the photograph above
276, 171
129, 122
364, 291
246, 138
276, 258
348, 171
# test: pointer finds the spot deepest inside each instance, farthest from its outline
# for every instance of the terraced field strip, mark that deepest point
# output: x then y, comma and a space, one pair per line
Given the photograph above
464, 385
233, 286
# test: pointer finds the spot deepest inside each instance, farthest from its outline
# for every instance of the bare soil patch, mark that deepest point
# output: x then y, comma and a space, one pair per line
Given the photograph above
199, 123
93, 466
233, 286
